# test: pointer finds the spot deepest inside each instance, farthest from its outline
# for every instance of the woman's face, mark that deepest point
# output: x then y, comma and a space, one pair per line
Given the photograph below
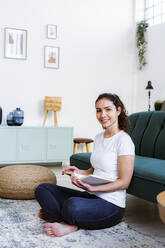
106, 113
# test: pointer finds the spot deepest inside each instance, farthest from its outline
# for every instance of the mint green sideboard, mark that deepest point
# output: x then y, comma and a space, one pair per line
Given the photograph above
35, 144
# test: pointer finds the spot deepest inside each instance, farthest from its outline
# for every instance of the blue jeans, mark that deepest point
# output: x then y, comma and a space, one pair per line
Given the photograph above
76, 207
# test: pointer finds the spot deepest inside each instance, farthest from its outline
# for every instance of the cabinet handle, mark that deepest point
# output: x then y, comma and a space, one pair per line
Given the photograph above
24, 147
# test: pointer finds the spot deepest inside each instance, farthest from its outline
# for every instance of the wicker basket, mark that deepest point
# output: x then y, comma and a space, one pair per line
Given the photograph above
161, 205
20, 181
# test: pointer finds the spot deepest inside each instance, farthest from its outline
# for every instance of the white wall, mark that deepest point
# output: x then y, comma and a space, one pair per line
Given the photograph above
155, 69
96, 40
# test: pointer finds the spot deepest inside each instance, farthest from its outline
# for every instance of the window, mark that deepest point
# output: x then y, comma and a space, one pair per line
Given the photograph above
154, 11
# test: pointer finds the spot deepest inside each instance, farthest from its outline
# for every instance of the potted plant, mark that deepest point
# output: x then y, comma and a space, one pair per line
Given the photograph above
158, 105
141, 43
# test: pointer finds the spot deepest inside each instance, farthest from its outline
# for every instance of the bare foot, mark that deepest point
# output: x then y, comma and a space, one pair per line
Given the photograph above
42, 215
59, 229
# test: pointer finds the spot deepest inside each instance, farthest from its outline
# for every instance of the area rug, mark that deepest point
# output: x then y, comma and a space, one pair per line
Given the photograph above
21, 228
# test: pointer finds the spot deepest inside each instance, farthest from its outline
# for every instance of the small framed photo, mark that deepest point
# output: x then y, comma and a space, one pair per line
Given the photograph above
15, 43
51, 57
51, 31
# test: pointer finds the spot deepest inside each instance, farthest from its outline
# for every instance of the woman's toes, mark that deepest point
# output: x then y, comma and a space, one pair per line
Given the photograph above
47, 224
49, 231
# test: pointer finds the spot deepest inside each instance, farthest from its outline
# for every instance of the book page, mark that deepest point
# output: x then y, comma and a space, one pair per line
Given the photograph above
92, 180
80, 176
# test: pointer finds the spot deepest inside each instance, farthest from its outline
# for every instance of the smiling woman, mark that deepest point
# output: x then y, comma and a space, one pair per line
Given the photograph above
99, 206
110, 107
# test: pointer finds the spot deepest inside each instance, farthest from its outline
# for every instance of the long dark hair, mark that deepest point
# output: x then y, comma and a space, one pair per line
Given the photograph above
123, 120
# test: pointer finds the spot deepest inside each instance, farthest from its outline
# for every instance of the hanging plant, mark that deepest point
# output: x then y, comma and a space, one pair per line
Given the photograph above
141, 43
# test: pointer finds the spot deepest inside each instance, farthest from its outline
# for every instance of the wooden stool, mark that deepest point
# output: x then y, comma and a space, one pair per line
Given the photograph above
82, 140
52, 104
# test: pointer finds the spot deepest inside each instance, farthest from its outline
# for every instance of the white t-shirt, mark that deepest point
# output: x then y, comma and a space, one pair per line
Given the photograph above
104, 160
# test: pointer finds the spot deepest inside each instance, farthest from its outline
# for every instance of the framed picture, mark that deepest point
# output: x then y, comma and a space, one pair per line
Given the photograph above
51, 57
51, 31
15, 43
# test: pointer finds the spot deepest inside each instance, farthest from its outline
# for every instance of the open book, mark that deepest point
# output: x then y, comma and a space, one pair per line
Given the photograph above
91, 179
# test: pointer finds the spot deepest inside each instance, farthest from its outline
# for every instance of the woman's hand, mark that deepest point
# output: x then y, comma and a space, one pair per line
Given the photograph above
71, 169
77, 182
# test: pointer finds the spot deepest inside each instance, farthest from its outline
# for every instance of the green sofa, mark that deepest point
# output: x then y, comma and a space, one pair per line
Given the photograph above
148, 134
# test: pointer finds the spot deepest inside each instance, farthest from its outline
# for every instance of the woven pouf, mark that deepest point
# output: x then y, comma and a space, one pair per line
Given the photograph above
20, 181
161, 205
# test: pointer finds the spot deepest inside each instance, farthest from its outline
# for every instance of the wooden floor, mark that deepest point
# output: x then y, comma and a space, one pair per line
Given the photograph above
144, 217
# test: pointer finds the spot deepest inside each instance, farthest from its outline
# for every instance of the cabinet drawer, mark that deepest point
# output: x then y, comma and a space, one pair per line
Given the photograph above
7, 145
59, 144
31, 145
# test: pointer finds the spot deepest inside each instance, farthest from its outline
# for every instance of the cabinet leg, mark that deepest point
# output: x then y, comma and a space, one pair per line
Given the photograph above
75, 148
46, 115
88, 147
55, 118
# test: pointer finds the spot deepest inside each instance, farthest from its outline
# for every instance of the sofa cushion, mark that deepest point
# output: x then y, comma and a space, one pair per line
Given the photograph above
145, 189
147, 132
159, 145
81, 160
152, 132
150, 168
139, 122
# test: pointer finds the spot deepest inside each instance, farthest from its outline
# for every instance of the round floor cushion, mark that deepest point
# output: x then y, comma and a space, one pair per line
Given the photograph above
20, 181
161, 205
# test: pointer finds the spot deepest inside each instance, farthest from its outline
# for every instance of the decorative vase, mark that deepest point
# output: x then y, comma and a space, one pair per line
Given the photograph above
0, 115
10, 121
18, 117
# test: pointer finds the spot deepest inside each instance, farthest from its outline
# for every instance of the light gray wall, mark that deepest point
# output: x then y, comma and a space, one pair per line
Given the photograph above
96, 40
